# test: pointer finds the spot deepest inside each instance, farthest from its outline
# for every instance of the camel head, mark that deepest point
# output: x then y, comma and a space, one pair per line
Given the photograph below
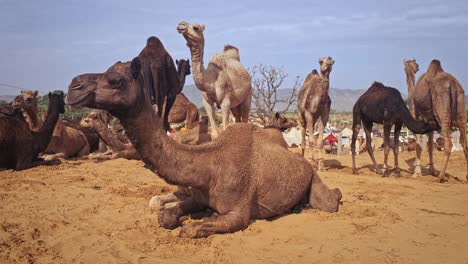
117, 89
411, 66
193, 33
281, 122
90, 118
326, 64
26, 100
183, 66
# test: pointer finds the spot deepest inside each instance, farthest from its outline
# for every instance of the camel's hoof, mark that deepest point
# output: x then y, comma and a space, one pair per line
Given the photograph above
416, 175
442, 179
191, 230
355, 172
397, 173
168, 217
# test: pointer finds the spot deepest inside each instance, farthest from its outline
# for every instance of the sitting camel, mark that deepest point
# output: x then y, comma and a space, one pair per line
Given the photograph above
225, 82
383, 105
27, 102
20, 146
119, 150
183, 109
66, 142
240, 176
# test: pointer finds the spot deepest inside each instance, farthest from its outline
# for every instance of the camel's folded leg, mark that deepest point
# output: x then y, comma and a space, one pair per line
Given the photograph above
169, 215
228, 223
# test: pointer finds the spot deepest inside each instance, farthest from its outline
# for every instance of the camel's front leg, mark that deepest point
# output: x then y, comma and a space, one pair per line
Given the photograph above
228, 223
225, 110
169, 215
356, 128
320, 145
396, 143
417, 162
430, 150
211, 115
160, 200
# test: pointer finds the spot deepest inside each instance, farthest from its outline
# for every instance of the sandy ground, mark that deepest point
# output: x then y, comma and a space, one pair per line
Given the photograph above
90, 212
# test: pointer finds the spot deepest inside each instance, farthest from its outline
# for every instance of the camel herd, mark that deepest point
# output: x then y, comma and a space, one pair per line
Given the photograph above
240, 172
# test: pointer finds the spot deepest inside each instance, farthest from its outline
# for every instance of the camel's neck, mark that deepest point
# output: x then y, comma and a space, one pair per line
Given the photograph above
198, 70
182, 75
173, 162
43, 136
107, 136
30, 114
326, 74
410, 80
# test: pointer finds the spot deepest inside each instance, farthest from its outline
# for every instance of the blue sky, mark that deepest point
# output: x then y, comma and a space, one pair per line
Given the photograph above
44, 44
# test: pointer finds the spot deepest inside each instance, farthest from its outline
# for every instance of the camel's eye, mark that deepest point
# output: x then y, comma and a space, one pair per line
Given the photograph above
117, 82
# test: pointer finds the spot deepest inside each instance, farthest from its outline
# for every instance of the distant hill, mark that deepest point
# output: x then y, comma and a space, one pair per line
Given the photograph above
7, 98
342, 99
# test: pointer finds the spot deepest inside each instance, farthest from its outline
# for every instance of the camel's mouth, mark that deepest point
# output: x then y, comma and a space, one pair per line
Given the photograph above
77, 100
182, 27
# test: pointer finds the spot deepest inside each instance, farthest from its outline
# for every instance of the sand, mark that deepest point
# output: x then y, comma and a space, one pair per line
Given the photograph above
97, 212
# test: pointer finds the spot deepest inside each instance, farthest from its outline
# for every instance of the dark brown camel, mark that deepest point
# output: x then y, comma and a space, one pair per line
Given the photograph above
383, 105
314, 105
239, 176
119, 150
160, 74
183, 109
20, 145
438, 98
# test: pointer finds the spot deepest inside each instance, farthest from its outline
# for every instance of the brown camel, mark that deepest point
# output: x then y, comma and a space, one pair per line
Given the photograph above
66, 142
183, 109
225, 82
314, 104
383, 105
239, 176
119, 150
20, 145
438, 98
160, 74
27, 102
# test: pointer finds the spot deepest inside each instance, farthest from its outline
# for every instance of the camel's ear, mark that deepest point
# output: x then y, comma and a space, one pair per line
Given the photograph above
188, 60
35, 93
135, 67
320, 61
50, 94
177, 61
277, 115
202, 28
404, 61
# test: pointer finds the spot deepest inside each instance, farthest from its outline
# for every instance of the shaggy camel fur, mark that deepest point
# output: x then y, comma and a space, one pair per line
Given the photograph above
119, 149
438, 98
27, 102
20, 145
383, 105
66, 142
225, 82
160, 74
314, 104
239, 176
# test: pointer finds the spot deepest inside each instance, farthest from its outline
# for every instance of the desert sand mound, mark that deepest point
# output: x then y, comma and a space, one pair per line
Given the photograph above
97, 212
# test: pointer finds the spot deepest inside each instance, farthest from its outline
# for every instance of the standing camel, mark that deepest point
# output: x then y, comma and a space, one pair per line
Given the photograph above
160, 75
225, 82
438, 98
314, 104
240, 176
383, 105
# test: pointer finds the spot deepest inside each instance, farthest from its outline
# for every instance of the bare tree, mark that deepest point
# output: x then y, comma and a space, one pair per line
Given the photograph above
266, 83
